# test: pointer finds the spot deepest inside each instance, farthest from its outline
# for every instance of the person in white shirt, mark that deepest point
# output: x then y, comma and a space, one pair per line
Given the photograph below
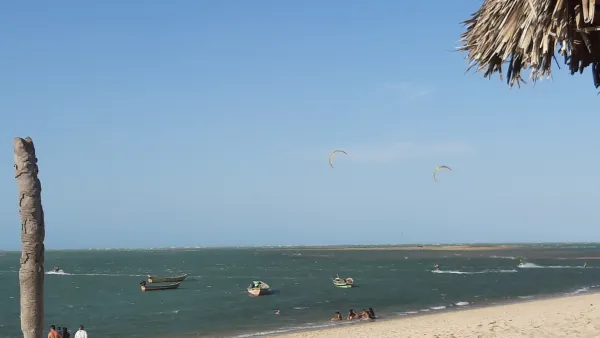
81, 333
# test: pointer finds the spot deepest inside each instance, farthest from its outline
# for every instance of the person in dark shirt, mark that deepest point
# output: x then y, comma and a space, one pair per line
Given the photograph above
65, 333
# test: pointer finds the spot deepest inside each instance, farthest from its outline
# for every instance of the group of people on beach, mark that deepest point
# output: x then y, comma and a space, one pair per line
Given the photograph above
58, 332
352, 315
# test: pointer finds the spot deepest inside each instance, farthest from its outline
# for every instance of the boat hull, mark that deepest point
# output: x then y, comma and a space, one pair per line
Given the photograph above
166, 279
343, 286
258, 292
160, 287
343, 283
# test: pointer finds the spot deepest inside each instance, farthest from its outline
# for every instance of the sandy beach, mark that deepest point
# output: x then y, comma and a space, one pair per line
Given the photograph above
575, 316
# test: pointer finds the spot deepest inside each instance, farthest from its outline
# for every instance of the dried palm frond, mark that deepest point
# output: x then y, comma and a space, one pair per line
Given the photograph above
527, 33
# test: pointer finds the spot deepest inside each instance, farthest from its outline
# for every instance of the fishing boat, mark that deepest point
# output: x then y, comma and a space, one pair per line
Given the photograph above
146, 287
259, 288
166, 279
343, 282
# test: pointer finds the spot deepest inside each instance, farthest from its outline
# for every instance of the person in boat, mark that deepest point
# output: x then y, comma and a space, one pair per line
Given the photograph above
352, 315
337, 317
436, 267
57, 268
143, 283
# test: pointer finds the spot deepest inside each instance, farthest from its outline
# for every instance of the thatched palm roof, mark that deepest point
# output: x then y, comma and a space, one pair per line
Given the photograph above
528, 33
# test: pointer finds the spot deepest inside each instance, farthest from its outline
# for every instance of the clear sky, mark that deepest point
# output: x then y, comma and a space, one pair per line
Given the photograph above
182, 123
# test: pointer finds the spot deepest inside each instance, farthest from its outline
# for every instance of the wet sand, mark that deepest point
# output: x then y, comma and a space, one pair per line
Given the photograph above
574, 316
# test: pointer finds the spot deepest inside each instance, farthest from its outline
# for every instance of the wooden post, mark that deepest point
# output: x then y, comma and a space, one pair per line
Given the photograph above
31, 272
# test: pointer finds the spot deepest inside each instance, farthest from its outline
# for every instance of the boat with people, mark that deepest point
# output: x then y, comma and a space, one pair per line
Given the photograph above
343, 282
259, 288
145, 287
521, 263
174, 279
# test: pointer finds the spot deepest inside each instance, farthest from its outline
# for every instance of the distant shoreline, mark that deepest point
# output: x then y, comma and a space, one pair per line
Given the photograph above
461, 247
413, 246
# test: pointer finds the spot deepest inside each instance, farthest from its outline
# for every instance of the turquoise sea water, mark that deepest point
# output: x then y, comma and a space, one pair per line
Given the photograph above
100, 288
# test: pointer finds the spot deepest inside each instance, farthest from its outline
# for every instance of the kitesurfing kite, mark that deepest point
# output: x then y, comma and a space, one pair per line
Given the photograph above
333, 153
437, 169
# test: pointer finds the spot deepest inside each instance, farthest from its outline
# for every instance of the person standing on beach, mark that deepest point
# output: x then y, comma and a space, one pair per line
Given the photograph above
53, 333
81, 333
65, 333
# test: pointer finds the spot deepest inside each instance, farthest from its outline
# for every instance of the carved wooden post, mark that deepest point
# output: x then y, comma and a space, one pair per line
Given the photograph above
31, 272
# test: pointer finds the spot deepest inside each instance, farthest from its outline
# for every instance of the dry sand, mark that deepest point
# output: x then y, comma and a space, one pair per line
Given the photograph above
576, 316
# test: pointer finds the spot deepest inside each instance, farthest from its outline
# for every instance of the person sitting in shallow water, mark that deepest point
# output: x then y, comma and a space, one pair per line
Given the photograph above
352, 315
364, 314
338, 316
372, 313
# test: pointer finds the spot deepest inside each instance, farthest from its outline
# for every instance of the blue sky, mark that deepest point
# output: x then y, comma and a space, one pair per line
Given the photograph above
210, 123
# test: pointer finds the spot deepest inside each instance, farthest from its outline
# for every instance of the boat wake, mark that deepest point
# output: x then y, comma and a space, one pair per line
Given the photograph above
458, 272
59, 272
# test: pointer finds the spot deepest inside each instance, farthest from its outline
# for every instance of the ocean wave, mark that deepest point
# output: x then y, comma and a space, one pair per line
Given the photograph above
535, 266
525, 297
458, 272
578, 291
503, 257
62, 273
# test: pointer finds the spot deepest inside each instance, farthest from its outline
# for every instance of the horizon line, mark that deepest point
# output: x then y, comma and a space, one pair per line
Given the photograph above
300, 246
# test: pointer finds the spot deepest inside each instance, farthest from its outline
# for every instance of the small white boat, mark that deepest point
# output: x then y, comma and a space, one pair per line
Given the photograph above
344, 283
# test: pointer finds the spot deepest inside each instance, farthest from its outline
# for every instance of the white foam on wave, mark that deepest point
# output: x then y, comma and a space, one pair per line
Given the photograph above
458, 272
535, 266
502, 257
62, 273
461, 303
578, 291
441, 307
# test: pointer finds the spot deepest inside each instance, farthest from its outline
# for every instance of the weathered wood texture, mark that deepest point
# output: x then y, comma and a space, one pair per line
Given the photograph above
31, 272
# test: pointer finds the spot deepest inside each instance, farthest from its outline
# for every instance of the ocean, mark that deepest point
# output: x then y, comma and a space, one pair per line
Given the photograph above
100, 288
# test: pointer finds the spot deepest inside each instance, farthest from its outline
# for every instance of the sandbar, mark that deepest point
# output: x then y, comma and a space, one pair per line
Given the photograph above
416, 248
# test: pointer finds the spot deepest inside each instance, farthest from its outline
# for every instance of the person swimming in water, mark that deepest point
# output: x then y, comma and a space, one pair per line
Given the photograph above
338, 316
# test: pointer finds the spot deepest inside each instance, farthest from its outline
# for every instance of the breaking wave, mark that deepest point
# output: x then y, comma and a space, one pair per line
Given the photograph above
458, 272
535, 266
